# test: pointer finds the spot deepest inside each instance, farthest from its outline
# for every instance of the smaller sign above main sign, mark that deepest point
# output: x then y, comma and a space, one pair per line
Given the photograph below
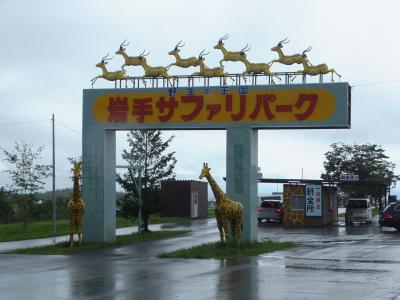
349, 177
313, 200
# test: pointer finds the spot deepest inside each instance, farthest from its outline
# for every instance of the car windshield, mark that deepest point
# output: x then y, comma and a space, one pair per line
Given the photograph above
270, 204
389, 207
357, 204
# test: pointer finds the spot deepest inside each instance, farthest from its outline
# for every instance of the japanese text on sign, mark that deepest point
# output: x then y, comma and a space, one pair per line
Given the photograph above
191, 105
313, 200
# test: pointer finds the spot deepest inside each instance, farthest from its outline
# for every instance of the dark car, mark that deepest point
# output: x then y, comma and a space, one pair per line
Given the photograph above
390, 216
270, 210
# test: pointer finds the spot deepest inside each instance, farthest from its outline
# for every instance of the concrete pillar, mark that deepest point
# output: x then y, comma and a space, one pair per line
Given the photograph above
98, 184
241, 175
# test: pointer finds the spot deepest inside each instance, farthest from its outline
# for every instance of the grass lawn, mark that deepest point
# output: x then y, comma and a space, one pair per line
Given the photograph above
64, 248
41, 229
218, 250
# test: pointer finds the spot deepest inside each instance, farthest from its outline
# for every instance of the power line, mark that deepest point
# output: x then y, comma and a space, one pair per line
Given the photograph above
23, 122
70, 128
376, 83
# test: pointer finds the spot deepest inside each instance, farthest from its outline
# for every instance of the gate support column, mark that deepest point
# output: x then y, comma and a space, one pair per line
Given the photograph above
98, 184
241, 175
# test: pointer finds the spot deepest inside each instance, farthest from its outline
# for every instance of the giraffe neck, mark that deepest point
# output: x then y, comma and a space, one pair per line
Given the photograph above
215, 188
77, 191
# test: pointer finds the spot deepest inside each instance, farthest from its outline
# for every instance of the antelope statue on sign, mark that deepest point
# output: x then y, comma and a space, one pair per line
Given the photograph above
229, 55
111, 76
207, 72
129, 60
285, 59
260, 68
183, 63
152, 71
309, 69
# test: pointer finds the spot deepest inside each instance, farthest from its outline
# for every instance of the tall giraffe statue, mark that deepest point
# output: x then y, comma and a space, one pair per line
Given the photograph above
76, 207
227, 211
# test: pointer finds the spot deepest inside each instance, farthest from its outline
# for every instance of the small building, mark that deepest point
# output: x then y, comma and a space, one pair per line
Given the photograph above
309, 205
185, 198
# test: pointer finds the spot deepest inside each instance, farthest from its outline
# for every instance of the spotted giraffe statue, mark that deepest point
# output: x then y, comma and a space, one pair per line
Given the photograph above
76, 207
227, 211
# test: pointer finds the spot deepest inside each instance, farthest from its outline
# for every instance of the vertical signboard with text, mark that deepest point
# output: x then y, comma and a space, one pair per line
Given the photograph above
313, 200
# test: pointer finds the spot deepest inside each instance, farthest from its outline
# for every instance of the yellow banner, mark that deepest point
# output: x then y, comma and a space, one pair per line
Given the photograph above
214, 107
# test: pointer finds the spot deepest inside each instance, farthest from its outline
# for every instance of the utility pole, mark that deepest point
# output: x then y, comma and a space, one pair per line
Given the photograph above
54, 182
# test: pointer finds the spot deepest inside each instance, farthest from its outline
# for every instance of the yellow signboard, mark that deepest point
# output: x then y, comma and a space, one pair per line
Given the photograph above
153, 107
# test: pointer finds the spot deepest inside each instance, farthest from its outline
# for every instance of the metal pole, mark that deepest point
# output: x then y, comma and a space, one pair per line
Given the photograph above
54, 182
140, 203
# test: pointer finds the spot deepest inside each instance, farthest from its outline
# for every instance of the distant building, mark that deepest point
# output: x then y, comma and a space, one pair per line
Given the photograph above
185, 198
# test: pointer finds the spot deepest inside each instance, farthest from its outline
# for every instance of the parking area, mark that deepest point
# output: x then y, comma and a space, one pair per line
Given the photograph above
336, 262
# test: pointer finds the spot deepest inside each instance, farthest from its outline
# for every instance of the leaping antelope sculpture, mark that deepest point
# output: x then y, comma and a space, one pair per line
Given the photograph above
111, 76
285, 59
129, 60
260, 68
182, 62
152, 71
309, 69
229, 55
207, 72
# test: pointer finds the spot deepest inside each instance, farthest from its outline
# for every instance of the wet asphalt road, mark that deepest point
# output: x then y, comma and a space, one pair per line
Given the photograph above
356, 262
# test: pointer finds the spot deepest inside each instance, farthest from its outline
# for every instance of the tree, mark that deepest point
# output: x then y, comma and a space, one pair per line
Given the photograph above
26, 176
147, 157
368, 161
7, 213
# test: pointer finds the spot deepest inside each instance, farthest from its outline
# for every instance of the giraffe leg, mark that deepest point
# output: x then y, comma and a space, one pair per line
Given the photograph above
79, 229
71, 233
225, 225
238, 225
219, 222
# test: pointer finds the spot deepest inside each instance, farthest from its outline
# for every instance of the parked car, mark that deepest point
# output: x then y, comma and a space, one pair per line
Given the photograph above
358, 210
390, 216
270, 210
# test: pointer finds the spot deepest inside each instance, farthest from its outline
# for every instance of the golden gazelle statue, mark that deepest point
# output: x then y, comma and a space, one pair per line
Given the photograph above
312, 70
76, 207
152, 71
256, 68
285, 59
182, 62
229, 55
129, 60
111, 76
207, 72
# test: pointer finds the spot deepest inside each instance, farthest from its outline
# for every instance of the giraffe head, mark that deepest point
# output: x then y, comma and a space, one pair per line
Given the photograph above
77, 170
205, 171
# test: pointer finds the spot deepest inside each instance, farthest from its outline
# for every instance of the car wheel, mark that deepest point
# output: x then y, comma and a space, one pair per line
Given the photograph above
347, 222
259, 220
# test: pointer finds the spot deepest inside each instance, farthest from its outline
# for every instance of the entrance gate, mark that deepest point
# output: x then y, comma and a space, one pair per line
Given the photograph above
240, 110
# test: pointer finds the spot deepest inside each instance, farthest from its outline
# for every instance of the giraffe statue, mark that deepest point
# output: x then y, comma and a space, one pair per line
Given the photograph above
227, 211
76, 207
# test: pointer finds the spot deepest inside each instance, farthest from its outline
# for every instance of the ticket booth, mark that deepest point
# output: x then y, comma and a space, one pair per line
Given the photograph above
309, 204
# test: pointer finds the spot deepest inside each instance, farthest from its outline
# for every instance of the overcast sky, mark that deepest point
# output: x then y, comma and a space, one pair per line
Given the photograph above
49, 50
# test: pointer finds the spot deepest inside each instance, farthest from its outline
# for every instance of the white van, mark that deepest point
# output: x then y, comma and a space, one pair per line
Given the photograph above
358, 210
